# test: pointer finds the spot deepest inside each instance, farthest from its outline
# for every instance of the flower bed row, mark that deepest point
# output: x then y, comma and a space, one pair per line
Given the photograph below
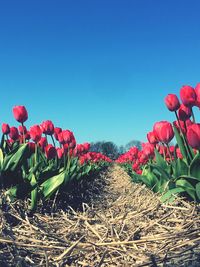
43, 160
170, 169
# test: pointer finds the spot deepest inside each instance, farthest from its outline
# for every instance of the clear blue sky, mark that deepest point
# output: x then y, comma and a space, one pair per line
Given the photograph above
98, 67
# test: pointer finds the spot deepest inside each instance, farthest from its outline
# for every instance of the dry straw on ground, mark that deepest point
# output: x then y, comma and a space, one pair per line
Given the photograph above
120, 224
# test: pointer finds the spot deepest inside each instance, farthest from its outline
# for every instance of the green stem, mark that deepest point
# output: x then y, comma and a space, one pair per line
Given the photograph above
183, 136
168, 149
23, 134
53, 140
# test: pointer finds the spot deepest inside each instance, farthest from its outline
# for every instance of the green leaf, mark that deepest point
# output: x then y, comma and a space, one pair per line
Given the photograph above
160, 160
180, 143
194, 169
34, 193
15, 158
179, 168
171, 194
187, 186
52, 184
1, 157
198, 190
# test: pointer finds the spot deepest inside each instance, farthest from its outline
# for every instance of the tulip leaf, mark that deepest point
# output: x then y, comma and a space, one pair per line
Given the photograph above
198, 190
51, 185
189, 188
180, 143
194, 169
1, 157
160, 160
171, 194
34, 193
15, 158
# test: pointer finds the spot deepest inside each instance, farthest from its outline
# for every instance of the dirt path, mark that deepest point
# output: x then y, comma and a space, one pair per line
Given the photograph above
123, 224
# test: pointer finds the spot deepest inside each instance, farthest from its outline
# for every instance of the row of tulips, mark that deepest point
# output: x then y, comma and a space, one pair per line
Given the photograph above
165, 168
42, 160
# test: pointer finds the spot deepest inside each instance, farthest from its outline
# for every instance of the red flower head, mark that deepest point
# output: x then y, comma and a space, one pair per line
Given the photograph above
5, 128
172, 102
43, 143
184, 113
22, 129
35, 133
20, 113
188, 96
14, 134
47, 127
31, 146
60, 152
193, 135
57, 130
151, 137
163, 131
197, 91
50, 151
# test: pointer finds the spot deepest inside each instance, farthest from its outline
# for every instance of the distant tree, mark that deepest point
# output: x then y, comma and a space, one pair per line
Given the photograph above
107, 148
132, 143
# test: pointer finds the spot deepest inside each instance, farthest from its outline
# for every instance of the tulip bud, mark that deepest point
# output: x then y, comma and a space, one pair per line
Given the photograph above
197, 91
193, 135
35, 133
184, 113
151, 137
20, 113
14, 134
188, 96
50, 151
163, 131
172, 102
47, 127
5, 128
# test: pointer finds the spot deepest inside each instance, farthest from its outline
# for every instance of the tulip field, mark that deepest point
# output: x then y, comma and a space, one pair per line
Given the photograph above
170, 169
143, 207
45, 159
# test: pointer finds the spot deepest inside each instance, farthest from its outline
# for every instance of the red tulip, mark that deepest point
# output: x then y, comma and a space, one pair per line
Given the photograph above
182, 124
43, 142
14, 134
57, 130
151, 137
35, 133
193, 135
31, 146
47, 127
163, 131
50, 151
22, 129
5, 128
20, 113
188, 96
184, 113
60, 152
172, 102
197, 91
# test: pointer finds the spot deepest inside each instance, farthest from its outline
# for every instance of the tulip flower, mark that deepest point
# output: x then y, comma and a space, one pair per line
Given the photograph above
60, 152
20, 113
5, 128
188, 96
184, 113
151, 137
172, 102
197, 91
50, 151
163, 131
22, 129
57, 130
14, 134
193, 135
43, 143
35, 133
47, 127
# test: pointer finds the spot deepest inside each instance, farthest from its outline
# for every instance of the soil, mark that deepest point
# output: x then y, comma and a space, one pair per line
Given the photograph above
105, 221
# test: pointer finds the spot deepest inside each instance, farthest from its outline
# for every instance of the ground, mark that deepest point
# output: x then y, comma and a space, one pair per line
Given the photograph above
110, 222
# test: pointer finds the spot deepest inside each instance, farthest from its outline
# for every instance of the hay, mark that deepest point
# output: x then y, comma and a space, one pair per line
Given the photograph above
119, 224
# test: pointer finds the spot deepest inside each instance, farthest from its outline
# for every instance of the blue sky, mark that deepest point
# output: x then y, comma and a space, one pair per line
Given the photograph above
99, 68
